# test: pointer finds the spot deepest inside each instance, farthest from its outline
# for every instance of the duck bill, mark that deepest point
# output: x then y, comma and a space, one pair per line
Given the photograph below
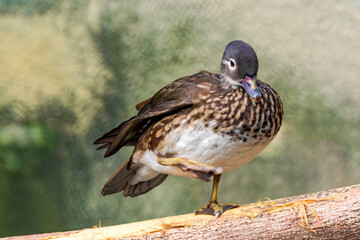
249, 84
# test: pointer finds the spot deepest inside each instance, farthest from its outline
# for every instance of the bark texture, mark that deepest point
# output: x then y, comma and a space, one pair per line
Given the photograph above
332, 214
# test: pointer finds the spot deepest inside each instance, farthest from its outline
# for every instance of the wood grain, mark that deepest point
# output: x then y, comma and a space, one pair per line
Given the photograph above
332, 214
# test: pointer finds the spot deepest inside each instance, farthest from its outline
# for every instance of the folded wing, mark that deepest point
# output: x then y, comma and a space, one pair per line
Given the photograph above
180, 94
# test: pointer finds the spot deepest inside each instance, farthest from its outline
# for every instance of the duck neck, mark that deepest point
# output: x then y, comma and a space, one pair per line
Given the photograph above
228, 83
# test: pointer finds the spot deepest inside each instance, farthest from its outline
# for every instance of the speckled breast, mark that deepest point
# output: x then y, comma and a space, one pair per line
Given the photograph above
227, 130
241, 117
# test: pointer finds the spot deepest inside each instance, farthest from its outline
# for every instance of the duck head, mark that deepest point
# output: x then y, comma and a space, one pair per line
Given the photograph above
239, 66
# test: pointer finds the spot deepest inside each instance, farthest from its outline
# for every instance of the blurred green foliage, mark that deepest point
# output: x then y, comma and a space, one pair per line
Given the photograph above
19, 142
29, 7
88, 64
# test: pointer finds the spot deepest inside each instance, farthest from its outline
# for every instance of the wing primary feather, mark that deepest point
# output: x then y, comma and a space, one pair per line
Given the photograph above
103, 146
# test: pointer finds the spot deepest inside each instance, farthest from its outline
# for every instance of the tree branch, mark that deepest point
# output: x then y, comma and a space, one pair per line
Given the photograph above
332, 214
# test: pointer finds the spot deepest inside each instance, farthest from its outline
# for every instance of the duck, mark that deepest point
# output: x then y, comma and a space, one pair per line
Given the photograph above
198, 126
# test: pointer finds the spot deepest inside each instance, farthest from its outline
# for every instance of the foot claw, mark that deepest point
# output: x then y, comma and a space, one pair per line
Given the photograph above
215, 209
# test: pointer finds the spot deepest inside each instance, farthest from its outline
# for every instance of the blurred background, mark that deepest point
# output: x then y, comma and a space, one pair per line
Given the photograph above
72, 70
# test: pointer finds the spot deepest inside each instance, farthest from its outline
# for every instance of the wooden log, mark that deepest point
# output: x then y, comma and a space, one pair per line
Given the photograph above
332, 214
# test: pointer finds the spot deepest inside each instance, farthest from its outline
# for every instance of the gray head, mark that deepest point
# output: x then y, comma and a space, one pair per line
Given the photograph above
240, 65
239, 60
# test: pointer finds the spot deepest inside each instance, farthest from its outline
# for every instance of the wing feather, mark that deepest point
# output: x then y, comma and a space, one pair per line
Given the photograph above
180, 94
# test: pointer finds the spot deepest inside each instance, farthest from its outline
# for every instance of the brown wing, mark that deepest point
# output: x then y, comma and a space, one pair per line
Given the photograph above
180, 94
140, 105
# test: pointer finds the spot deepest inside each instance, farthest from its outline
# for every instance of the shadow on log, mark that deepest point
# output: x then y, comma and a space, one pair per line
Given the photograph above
332, 214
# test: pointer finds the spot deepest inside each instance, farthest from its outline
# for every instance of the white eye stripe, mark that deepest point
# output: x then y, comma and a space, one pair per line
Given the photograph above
232, 64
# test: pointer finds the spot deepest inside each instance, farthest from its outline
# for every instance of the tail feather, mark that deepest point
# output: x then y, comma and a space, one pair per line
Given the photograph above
118, 181
144, 187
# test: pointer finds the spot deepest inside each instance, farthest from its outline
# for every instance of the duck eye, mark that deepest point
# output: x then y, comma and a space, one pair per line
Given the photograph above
232, 63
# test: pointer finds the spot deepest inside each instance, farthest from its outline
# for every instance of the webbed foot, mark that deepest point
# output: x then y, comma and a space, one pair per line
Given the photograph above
215, 209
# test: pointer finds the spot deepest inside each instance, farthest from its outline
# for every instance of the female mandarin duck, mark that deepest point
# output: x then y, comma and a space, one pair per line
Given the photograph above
198, 126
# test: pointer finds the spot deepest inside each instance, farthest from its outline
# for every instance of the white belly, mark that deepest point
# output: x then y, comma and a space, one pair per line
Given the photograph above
201, 144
